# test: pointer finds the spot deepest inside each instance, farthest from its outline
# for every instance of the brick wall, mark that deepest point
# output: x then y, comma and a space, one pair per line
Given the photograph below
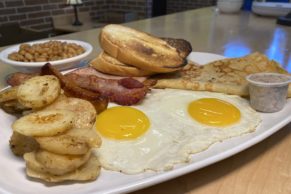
142, 8
181, 5
37, 14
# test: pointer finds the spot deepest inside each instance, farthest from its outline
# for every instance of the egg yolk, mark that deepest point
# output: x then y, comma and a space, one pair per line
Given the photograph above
213, 112
122, 122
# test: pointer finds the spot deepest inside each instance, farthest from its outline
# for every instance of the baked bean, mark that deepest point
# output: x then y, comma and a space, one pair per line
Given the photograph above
28, 56
48, 51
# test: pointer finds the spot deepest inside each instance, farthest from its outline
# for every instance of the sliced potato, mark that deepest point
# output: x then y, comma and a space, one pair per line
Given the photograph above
13, 107
21, 144
93, 139
39, 91
33, 164
8, 94
73, 142
44, 123
84, 110
57, 164
88, 172
64, 144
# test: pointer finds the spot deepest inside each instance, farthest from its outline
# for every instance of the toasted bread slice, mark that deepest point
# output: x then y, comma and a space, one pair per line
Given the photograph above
182, 46
142, 50
109, 65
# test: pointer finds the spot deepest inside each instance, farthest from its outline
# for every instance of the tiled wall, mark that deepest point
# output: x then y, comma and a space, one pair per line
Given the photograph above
37, 14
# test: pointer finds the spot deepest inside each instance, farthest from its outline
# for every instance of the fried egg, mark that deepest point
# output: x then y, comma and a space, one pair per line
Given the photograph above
168, 127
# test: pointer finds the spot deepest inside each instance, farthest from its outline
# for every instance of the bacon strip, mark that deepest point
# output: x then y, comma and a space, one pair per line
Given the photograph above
130, 83
15, 79
89, 84
72, 89
126, 91
92, 71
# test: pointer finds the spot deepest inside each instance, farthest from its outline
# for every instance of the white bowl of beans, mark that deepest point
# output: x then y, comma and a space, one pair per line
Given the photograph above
31, 56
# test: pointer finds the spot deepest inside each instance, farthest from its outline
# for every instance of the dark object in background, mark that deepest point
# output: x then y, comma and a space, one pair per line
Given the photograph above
247, 5
285, 20
77, 21
13, 34
75, 5
159, 7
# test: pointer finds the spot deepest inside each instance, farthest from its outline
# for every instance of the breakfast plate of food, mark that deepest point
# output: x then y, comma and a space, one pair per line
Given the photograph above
144, 111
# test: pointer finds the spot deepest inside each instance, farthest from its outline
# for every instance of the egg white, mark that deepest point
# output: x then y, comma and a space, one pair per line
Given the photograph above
173, 135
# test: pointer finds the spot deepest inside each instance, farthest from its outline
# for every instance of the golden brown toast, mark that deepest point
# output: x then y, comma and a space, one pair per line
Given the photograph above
183, 47
109, 65
142, 50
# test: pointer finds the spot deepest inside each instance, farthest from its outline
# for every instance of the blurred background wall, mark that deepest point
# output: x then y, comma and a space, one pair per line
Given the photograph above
37, 14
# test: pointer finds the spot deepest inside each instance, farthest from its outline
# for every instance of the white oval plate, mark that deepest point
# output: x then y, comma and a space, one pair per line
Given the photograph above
35, 66
13, 178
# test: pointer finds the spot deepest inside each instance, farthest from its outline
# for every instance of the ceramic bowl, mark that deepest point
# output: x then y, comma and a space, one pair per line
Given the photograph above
36, 66
229, 6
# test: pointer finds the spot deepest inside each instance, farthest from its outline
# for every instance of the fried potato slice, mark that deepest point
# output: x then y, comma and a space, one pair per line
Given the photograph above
8, 94
44, 123
92, 137
88, 172
21, 144
39, 91
13, 107
73, 142
9, 102
57, 164
83, 109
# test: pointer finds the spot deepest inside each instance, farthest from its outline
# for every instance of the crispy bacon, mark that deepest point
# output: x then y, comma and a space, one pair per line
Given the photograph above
92, 71
15, 79
130, 83
126, 91
72, 89
89, 84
